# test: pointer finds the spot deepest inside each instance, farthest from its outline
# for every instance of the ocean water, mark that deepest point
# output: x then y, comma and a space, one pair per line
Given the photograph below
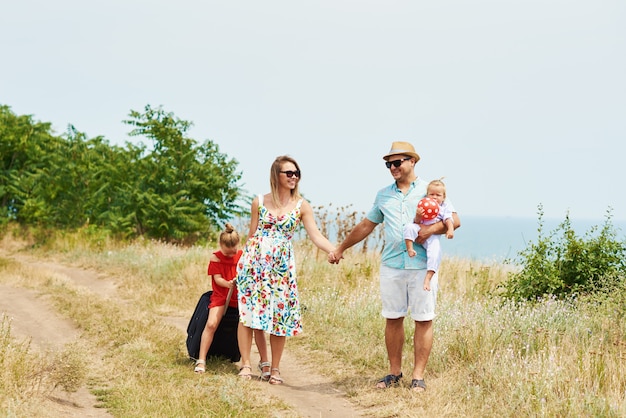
497, 239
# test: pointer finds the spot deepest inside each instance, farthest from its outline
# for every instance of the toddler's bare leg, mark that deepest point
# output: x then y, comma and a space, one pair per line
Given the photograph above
429, 276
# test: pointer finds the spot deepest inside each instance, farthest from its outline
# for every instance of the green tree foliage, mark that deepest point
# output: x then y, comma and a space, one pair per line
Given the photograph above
563, 264
188, 187
23, 147
178, 190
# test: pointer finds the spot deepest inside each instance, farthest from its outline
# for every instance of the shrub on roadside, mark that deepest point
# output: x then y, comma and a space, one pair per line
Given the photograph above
563, 264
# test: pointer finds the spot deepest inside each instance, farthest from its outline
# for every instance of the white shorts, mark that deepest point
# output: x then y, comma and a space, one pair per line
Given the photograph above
403, 290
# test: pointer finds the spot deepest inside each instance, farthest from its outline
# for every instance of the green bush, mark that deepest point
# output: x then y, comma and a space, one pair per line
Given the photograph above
563, 264
177, 190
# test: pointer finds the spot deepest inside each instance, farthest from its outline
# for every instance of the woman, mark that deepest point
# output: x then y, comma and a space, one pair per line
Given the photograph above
266, 272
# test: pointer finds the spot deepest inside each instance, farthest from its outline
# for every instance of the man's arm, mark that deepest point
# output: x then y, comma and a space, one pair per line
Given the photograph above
358, 233
436, 229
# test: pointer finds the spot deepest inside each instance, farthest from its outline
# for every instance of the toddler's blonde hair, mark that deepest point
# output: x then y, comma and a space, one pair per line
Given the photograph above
438, 182
229, 237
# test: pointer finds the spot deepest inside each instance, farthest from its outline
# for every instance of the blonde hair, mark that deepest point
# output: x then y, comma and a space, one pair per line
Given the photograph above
229, 237
438, 182
275, 174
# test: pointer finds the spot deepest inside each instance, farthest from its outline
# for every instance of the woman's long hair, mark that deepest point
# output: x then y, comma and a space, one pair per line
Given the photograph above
274, 178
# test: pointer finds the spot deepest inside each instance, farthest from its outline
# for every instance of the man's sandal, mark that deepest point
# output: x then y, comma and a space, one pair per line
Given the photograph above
276, 379
265, 376
418, 385
199, 366
388, 381
245, 372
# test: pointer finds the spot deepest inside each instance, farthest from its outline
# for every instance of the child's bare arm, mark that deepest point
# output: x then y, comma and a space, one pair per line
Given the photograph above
221, 282
419, 214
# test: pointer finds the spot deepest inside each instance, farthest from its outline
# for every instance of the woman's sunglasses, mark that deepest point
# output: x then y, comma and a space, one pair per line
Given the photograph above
290, 173
396, 163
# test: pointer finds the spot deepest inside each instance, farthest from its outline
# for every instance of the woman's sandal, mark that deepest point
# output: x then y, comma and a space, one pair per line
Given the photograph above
276, 379
418, 385
388, 381
245, 375
265, 376
199, 366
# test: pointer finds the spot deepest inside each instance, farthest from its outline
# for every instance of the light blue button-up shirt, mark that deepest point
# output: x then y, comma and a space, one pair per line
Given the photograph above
396, 209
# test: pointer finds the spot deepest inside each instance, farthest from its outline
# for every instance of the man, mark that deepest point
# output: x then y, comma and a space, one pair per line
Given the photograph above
401, 276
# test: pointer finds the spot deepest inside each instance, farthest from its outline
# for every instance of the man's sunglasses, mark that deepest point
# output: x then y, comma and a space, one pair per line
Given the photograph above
396, 163
290, 173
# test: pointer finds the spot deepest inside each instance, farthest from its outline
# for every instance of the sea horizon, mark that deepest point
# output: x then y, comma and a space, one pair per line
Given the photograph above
496, 239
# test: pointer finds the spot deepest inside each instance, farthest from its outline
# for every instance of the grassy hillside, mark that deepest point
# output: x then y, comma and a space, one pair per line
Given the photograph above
491, 358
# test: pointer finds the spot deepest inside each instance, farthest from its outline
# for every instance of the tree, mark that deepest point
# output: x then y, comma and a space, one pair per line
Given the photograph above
176, 190
184, 188
24, 146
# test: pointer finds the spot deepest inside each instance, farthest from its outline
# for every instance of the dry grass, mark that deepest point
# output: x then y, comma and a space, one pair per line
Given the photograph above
490, 358
143, 369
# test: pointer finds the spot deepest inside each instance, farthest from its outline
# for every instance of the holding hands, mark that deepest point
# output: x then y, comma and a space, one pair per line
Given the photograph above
335, 256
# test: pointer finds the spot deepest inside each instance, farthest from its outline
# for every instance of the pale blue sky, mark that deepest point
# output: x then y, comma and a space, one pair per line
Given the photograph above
515, 102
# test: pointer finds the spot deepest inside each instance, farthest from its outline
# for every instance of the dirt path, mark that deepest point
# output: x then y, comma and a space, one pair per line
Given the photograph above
32, 316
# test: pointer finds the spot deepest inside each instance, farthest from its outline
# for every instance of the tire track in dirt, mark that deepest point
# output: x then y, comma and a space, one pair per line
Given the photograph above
310, 394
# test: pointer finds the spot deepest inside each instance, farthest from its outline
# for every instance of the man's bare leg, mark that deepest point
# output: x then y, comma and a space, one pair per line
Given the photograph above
422, 345
394, 340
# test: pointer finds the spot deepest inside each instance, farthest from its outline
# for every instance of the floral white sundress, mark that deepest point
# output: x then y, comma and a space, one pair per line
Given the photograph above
266, 275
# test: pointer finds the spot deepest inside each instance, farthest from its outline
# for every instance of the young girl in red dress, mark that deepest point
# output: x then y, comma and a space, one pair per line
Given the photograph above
222, 270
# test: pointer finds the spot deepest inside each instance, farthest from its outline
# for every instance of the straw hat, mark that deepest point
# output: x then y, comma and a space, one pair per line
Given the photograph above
403, 148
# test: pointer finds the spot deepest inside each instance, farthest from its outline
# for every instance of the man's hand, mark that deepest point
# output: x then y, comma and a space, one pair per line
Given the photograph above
335, 256
426, 231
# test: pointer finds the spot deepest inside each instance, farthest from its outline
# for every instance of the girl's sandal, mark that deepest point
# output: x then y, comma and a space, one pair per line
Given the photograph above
265, 376
199, 366
276, 379
246, 375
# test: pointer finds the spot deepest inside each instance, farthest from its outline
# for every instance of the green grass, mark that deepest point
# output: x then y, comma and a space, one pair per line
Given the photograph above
491, 358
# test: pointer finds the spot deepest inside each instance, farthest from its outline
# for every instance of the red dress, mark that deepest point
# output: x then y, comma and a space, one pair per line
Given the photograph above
227, 268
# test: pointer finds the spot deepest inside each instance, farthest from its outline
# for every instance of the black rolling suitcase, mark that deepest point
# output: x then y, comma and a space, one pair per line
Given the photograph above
225, 338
